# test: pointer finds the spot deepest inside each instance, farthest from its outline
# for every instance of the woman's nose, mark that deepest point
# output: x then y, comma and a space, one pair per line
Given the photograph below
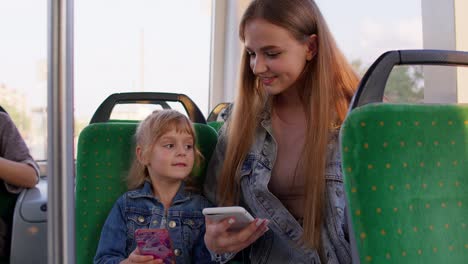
258, 65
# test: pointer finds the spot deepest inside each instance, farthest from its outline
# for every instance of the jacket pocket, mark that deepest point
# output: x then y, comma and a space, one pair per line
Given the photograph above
137, 221
192, 228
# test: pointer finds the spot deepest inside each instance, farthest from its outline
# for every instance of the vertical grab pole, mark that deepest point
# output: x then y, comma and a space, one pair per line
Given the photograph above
61, 206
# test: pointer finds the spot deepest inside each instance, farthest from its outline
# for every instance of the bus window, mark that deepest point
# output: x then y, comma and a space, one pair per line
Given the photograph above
140, 46
365, 29
23, 70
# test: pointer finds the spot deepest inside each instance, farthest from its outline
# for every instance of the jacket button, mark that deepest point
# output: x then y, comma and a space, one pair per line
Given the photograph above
177, 252
155, 222
141, 219
172, 224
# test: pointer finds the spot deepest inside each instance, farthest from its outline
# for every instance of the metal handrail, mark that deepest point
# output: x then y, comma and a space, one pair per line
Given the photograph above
61, 207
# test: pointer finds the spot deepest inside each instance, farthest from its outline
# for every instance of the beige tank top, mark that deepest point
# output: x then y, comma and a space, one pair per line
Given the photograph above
289, 189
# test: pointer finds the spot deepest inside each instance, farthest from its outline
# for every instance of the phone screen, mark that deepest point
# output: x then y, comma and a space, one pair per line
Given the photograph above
155, 242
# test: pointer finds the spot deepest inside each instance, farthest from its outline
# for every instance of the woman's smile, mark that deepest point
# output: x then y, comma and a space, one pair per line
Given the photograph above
267, 80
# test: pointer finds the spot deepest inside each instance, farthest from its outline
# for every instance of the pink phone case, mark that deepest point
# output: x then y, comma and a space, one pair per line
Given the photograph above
155, 242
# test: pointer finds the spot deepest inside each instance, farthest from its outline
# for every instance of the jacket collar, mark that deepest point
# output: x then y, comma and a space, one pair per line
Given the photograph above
146, 191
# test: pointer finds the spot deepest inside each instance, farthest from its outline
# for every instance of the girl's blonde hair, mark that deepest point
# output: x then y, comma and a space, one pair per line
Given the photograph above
327, 84
149, 131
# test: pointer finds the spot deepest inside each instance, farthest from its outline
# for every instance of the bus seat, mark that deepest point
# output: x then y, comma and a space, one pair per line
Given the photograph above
405, 171
220, 112
216, 125
105, 151
219, 115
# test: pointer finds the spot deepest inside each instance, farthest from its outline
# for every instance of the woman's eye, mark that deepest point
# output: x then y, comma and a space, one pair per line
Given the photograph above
251, 54
273, 54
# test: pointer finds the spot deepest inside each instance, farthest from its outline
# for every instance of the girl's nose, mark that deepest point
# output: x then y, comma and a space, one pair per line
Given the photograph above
181, 151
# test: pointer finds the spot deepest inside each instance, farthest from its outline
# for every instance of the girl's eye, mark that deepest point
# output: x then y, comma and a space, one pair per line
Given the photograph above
169, 146
251, 54
188, 147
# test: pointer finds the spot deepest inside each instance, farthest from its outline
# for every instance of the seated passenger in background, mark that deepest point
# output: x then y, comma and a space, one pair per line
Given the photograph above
160, 195
17, 168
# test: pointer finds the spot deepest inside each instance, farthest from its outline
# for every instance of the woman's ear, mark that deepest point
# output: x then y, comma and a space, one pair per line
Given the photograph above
139, 155
312, 46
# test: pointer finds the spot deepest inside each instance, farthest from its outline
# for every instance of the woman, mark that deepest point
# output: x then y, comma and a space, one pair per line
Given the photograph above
278, 154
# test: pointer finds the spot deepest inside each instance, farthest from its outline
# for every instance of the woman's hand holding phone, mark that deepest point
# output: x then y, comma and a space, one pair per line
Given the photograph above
221, 238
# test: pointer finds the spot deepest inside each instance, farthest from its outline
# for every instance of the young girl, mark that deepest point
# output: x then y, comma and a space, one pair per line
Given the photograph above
278, 154
159, 196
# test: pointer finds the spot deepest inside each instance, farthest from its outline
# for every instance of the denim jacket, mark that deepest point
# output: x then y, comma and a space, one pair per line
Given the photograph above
141, 209
281, 244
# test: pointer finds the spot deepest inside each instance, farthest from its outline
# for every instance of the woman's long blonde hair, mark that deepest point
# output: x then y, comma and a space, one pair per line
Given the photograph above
327, 84
152, 128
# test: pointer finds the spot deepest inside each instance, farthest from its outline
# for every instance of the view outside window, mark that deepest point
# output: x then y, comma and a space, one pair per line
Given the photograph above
120, 46
164, 46
23, 69
364, 29
140, 46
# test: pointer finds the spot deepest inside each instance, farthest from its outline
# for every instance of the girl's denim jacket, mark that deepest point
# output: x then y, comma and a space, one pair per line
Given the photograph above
141, 209
282, 243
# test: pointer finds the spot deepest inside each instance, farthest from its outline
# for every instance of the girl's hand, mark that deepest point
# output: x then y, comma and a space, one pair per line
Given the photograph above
135, 257
219, 240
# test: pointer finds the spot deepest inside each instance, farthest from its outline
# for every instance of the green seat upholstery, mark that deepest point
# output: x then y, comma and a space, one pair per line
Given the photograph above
216, 125
105, 151
406, 178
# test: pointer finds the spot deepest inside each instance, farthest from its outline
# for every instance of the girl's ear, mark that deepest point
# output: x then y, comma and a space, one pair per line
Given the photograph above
312, 46
139, 155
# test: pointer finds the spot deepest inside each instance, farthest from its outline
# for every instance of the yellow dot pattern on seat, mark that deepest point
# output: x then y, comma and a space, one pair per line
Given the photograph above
406, 177
104, 155
103, 162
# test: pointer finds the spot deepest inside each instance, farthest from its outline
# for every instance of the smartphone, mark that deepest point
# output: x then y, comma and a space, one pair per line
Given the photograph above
155, 242
241, 216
